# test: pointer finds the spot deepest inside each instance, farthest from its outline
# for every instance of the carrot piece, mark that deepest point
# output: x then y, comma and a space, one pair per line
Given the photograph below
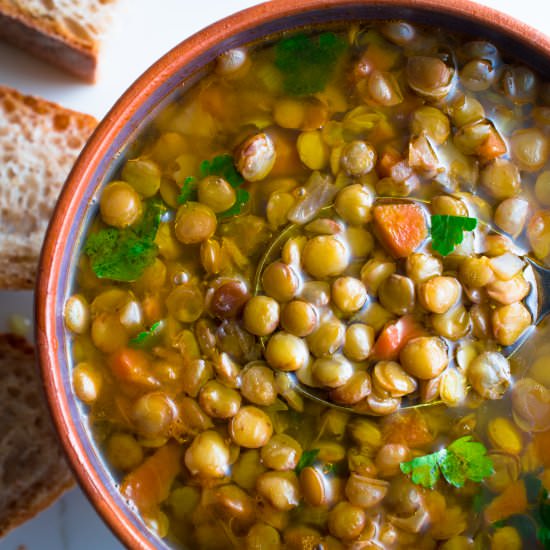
287, 161
394, 336
387, 159
492, 147
401, 228
132, 366
512, 501
149, 484
152, 306
407, 428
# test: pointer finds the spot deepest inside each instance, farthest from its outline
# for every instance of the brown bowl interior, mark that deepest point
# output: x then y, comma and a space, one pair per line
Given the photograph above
78, 200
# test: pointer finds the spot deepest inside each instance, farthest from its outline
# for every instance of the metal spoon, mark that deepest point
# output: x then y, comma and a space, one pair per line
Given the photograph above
537, 301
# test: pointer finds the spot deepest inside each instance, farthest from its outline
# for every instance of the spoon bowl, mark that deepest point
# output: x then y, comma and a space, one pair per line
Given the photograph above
537, 302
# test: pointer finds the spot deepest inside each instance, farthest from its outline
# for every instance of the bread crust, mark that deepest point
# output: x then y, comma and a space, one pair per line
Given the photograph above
45, 38
48, 139
38, 39
17, 360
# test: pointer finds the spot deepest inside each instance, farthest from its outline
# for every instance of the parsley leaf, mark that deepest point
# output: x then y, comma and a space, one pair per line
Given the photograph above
243, 196
544, 508
307, 459
448, 231
223, 166
188, 190
308, 62
145, 338
123, 254
463, 460
424, 469
542, 514
543, 536
466, 459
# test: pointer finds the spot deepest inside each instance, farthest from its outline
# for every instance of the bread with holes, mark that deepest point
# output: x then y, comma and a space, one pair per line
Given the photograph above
66, 33
33, 471
39, 143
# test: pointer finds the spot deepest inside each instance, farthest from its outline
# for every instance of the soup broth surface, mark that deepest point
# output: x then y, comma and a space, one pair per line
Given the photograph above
260, 232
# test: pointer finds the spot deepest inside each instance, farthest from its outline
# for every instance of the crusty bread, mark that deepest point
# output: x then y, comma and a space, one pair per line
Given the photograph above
33, 471
39, 142
63, 32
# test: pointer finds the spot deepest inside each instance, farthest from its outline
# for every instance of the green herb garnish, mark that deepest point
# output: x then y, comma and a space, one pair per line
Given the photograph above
424, 469
123, 254
308, 62
543, 517
307, 459
223, 166
243, 196
462, 460
543, 536
448, 232
188, 191
144, 338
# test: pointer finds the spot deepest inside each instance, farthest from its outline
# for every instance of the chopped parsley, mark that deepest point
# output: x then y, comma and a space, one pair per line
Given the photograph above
123, 254
144, 338
543, 536
188, 191
448, 232
308, 62
307, 459
243, 196
543, 517
223, 166
462, 460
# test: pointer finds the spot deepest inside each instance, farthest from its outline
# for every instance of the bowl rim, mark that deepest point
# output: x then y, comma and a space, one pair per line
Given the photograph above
67, 207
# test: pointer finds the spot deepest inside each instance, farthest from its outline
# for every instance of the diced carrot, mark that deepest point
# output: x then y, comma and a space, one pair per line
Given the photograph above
132, 366
401, 228
387, 159
512, 501
407, 428
394, 336
149, 484
153, 307
287, 162
492, 147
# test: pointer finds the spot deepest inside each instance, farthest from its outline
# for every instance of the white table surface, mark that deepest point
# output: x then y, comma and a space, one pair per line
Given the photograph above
139, 34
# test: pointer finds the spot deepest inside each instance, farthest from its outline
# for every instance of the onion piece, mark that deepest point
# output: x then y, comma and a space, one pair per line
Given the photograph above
319, 192
506, 266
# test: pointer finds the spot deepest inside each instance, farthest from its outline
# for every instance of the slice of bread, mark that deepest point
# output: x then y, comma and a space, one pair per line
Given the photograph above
65, 33
33, 471
39, 143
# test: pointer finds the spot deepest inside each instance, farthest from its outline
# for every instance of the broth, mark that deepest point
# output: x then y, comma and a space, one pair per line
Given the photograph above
256, 230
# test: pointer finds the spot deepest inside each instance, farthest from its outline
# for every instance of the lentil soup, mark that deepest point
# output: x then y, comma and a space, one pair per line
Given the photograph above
258, 232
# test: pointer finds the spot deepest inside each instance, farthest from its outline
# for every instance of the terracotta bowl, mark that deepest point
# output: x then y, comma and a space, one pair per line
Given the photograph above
78, 201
